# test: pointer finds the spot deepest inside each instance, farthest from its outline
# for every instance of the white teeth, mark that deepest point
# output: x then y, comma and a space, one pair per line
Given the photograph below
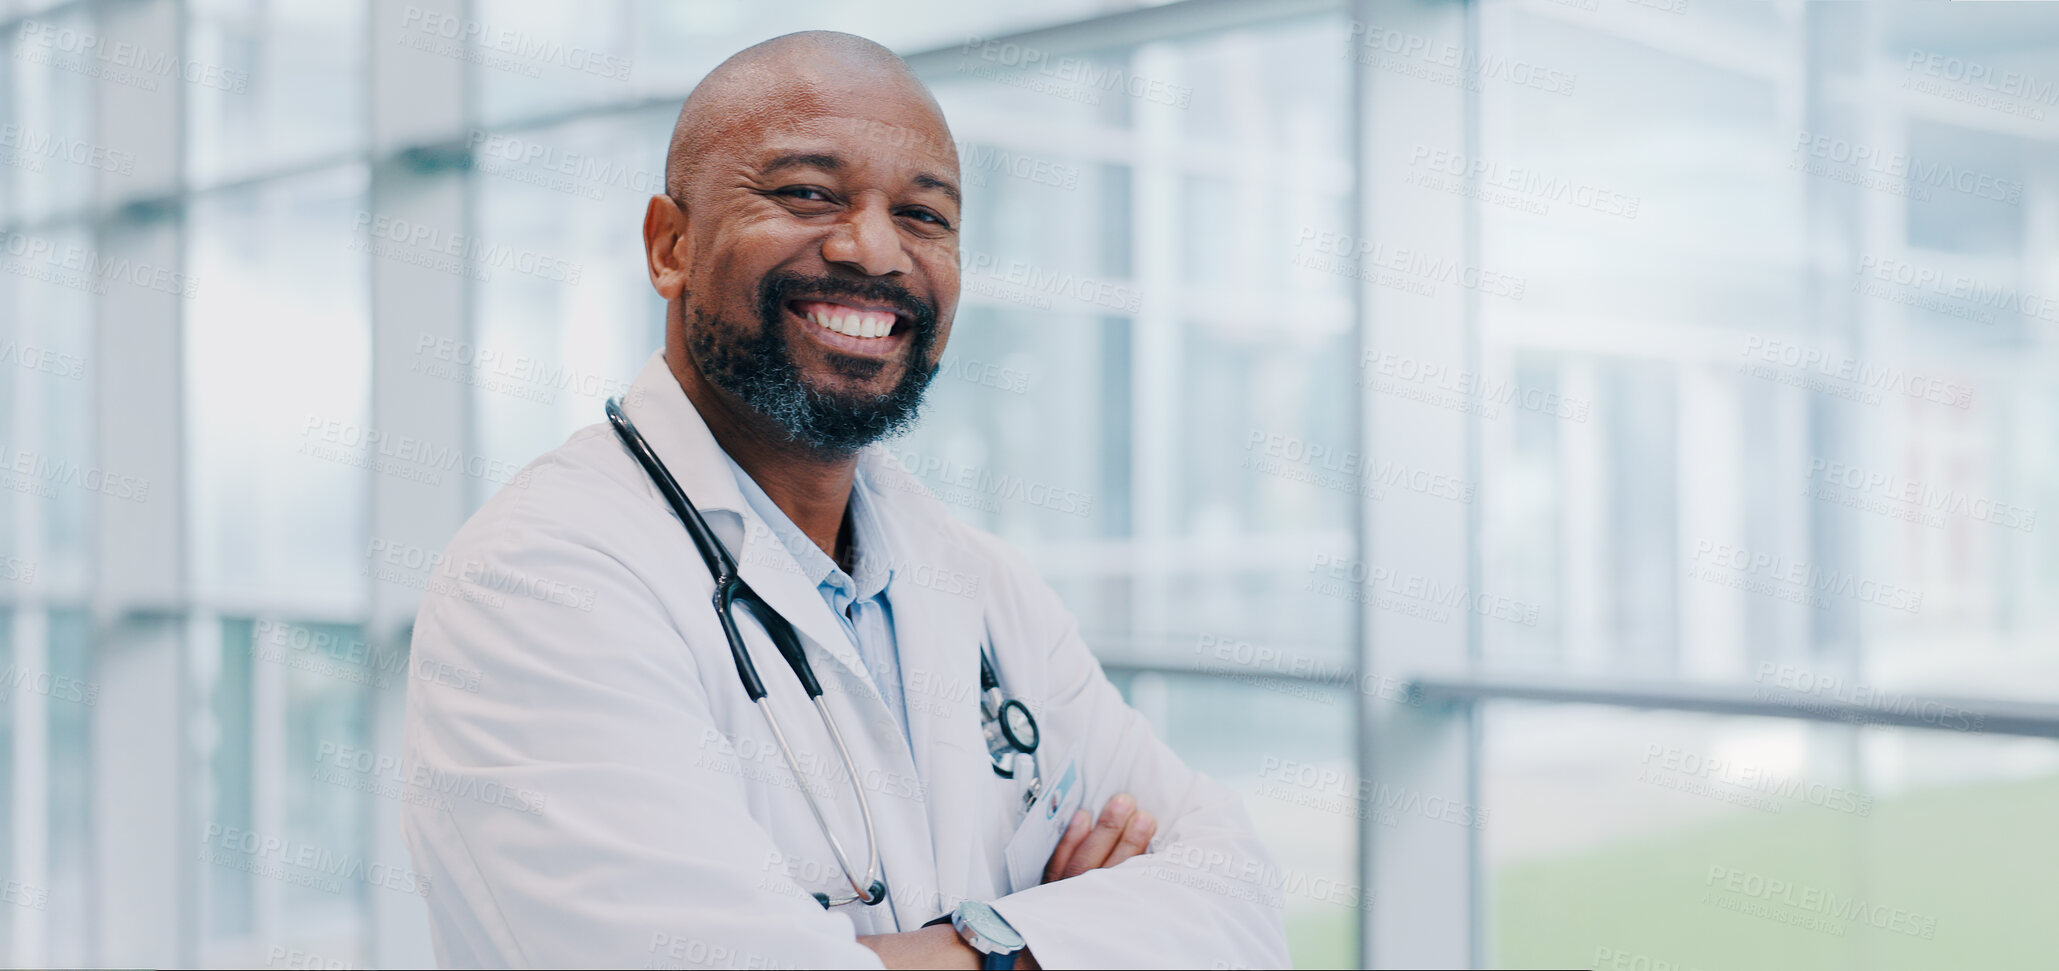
852, 323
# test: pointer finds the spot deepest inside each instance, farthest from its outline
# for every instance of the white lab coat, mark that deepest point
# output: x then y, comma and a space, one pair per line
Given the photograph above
606, 795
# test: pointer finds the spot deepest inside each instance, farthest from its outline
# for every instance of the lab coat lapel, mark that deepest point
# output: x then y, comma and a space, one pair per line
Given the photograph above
668, 420
937, 598
772, 571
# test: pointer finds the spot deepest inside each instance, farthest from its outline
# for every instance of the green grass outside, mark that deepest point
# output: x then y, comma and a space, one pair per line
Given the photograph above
1981, 861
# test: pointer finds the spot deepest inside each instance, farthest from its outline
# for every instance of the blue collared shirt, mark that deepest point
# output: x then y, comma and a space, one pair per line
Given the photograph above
860, 602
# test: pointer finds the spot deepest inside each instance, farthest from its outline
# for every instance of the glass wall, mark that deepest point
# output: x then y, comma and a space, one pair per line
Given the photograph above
1733, 321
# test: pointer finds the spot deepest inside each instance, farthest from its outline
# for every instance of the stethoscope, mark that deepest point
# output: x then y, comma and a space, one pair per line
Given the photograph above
1011, 731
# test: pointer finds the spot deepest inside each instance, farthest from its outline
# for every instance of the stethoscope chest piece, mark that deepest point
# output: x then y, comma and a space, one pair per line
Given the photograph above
1018, 726
1010, 730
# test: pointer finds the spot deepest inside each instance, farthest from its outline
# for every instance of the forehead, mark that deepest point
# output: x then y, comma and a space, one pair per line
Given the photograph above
860, 123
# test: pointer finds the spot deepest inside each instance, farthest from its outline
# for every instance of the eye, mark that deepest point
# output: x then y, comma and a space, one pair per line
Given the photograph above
930, 216
805, 193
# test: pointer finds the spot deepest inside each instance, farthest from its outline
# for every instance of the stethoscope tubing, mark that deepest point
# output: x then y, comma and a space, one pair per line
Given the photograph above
730, 590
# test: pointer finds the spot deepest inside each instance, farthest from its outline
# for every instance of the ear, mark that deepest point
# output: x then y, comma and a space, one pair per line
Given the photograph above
667, 248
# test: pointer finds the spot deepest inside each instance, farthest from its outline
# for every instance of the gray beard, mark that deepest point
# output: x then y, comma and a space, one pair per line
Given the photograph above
760, 372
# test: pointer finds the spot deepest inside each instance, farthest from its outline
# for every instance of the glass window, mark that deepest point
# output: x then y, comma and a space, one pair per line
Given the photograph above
1627, 839
532, 59
566, 319
1288, 754
7, 772
1755, 406
69, 852
49, 117
326, 671
289, 763
272, 83
230, 741
1127, 338
47, 460
278, 356
1756, 369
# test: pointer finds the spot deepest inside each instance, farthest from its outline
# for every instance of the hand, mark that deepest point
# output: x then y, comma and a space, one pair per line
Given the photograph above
1123, 832
928, 947
935, 947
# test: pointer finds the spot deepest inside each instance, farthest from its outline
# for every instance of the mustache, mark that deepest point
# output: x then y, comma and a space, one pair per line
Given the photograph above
778, 288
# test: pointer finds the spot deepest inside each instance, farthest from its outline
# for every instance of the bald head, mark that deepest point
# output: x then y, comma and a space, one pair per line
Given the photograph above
807, 242
776, 80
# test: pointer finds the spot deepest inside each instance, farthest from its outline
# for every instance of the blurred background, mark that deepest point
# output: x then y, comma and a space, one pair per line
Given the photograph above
1584, 469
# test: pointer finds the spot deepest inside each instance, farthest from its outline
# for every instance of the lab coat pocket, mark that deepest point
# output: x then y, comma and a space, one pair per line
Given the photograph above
1030, 848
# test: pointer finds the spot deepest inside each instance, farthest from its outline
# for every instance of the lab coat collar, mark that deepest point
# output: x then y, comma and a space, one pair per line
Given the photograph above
668, 420
938, 595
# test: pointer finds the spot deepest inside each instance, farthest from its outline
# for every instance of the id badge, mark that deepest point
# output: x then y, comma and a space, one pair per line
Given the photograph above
1030, 848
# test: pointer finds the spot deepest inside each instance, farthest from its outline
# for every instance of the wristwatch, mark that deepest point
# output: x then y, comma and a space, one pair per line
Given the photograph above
986, 932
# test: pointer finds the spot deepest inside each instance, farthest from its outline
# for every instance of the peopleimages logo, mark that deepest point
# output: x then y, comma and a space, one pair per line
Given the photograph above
1753, 778
464, 35
1906, 171
1359, 255
463, 252
552, 167
1487, 392
1782, 682
1890, 487
401, 562
120, 62
1973, 74
1091, 78
1850, 377
24, 470
981, 482
302, 863
1532, 189
1977, 294
1405, 52
1038, 280
42, 359
82, 268
401, 456
1816, 901
30, 143
1411, 593
1792, 579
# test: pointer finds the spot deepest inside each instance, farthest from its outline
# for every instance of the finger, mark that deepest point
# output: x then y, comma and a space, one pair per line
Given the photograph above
1094, 849
1135, 837
1075, 831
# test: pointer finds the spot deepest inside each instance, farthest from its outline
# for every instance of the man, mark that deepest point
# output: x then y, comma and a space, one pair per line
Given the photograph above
807, 250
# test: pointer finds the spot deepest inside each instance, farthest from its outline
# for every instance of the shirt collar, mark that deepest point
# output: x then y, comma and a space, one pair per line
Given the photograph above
871, 552
875, 552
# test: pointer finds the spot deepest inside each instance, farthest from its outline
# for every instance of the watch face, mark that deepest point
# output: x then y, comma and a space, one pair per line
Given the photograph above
982, 920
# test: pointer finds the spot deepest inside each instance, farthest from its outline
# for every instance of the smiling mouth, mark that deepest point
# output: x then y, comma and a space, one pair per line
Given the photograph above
860, 323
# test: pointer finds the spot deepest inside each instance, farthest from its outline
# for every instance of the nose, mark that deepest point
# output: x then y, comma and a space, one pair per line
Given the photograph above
866, 240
